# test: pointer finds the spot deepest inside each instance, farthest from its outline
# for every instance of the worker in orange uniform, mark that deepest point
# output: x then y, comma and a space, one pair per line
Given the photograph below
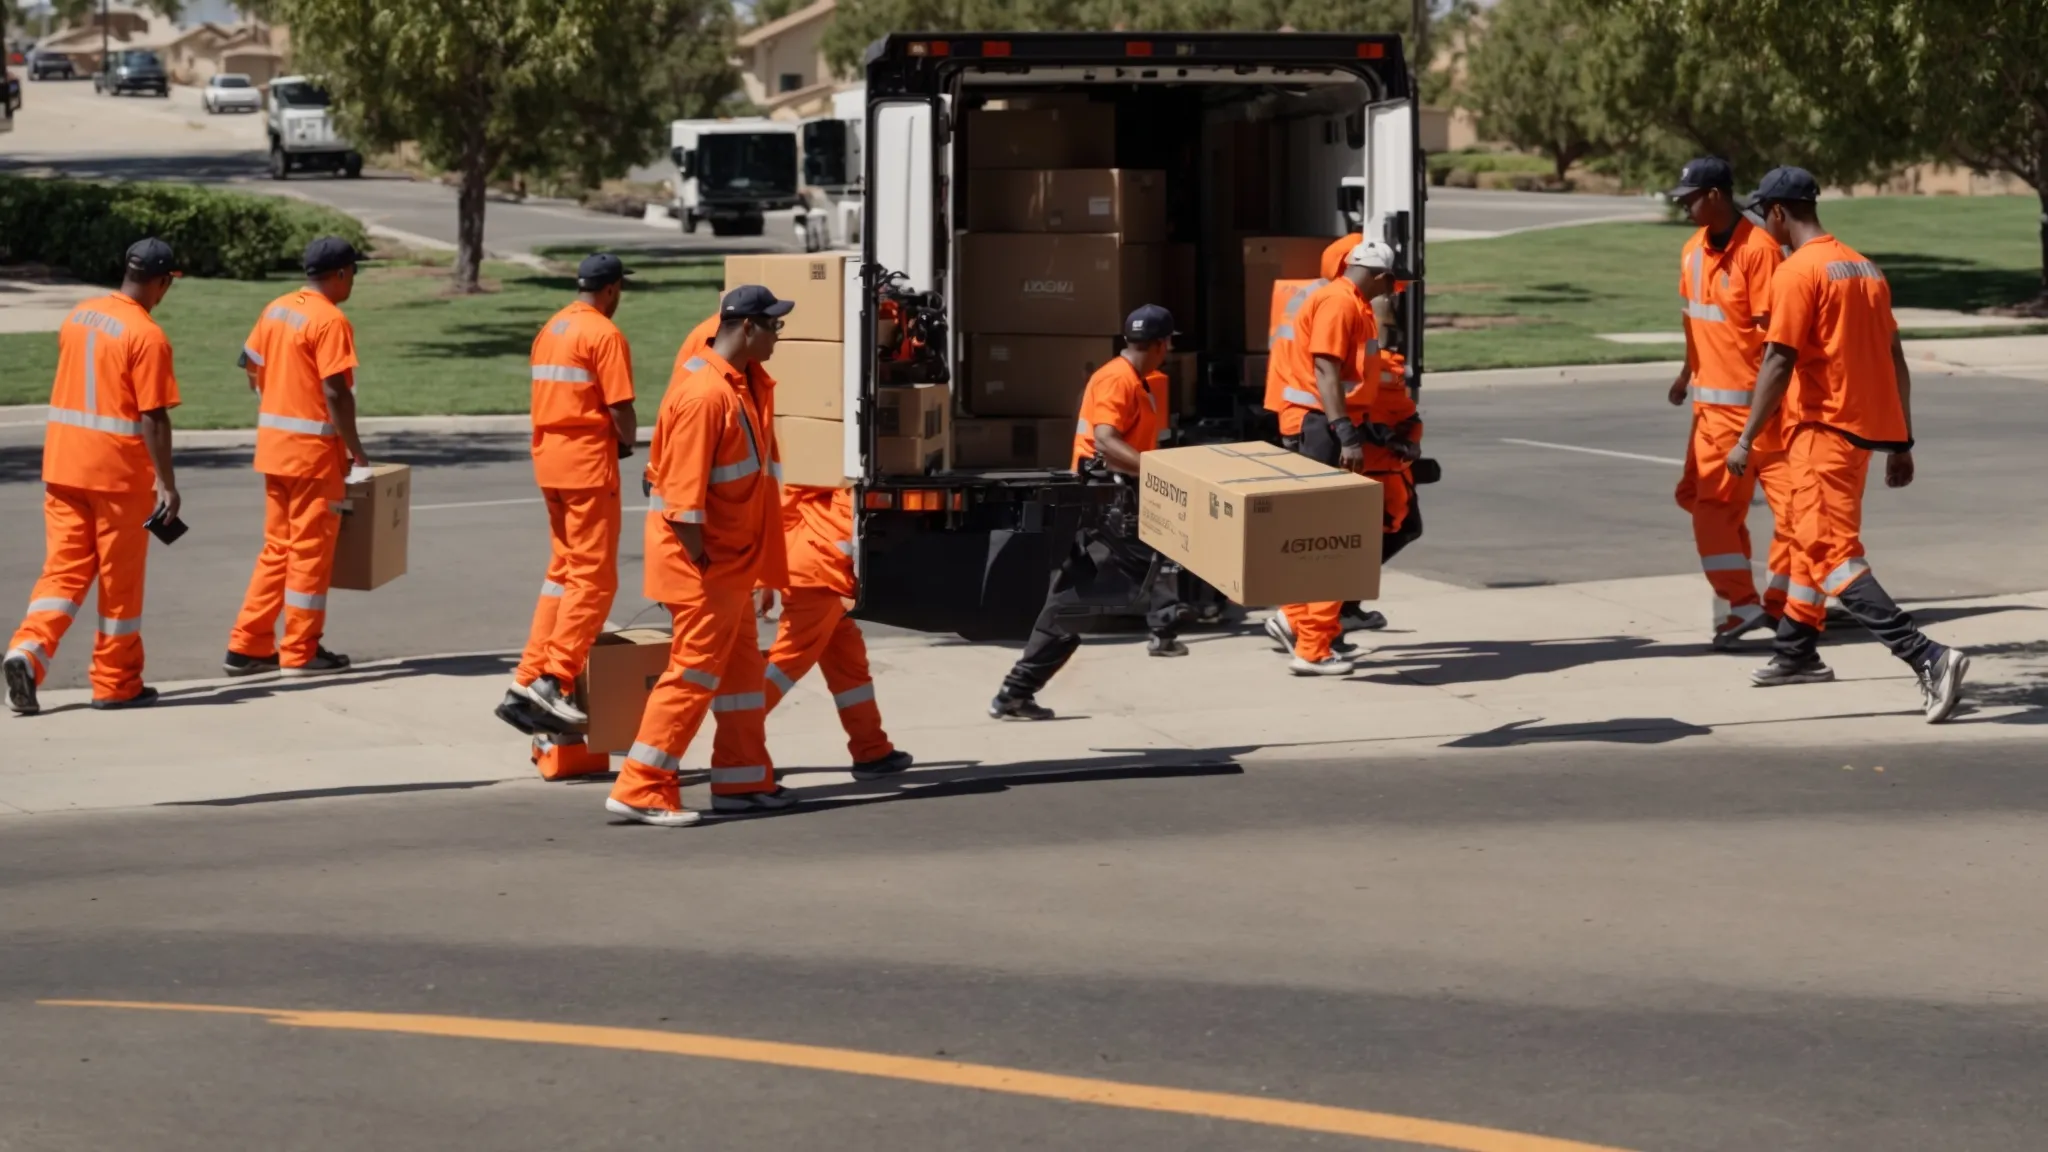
1724, 277
583, 425
1124, 407
1393, 463
301, 359
1834, 362
1335, 354
817, 526
714, 534
106, 467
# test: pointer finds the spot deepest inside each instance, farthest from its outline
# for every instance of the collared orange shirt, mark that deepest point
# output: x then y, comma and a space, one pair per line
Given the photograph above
1834, 309
1336, 322
817, 526
581, 367
1288, 297
1723, 292
1116, 396
113, 364
694, 346
713, 462
300, 340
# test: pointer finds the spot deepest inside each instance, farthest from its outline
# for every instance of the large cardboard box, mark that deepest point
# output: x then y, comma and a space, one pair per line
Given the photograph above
1270, 258
1050, 284
1128, 202
912, 426
616, 682
813, 451
1082, 137
376, 522
815, 282
1006, 442
1263, 525
810, 378
1032, 375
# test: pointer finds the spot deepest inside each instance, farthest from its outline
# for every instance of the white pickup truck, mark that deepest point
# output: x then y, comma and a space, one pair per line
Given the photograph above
302, 133
731, 173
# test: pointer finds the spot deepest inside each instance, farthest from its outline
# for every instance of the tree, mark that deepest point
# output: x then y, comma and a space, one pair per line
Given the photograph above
489, 87
1530, 80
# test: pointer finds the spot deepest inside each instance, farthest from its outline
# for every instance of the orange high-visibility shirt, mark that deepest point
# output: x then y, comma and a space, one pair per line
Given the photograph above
1288, 297
817, 526
113, 364
1834, 309
1117, 397
695, 345
1723, 292
300, 340
713, 462
1336, 322
581, 367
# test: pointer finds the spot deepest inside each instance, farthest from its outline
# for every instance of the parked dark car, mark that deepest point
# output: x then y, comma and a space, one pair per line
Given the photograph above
50, 66
134, 70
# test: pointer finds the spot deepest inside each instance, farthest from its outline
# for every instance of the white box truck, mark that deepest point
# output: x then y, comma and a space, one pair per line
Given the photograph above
731, 173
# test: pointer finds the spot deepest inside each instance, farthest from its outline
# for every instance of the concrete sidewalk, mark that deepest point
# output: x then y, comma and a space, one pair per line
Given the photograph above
1612, 662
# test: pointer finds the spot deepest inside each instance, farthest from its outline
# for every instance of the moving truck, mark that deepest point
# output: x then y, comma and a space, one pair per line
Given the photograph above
732, 172
987, 157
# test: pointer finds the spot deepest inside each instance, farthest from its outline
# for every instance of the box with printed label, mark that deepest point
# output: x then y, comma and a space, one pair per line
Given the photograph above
1032, 375
1003, 442
1128, 202
1270, 258
1263, 525
1053, 284
616, 681
813, 451
815, 283
810, 378
376, 523
1072, 137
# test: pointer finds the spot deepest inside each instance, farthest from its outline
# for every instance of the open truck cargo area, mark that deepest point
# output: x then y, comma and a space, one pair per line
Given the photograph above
1033, 188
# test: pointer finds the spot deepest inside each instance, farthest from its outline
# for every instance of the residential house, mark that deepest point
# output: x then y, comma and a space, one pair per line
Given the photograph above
782, 64
209, 49
125, 28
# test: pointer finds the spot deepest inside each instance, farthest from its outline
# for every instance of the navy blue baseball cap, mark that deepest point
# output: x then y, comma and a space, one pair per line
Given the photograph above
1147, 324
1787, 184
599, 269
1702, 174
330, 254
750, 301
152, 258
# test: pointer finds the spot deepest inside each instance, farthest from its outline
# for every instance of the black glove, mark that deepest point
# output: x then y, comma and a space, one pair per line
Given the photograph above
646, 484
1347, 433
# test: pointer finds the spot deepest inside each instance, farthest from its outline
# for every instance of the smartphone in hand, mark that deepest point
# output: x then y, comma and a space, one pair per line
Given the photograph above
165, 528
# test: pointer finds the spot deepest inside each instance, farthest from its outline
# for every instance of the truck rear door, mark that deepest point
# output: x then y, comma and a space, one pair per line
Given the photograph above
1394, 194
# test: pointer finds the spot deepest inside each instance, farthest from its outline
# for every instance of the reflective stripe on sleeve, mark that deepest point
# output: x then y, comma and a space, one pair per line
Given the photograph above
1708, 312
700, 677
751, 774
694, 364
779, 678
654, 503
306, 601
1732, 397
112, 425
690, 516
859, 694
1846, 574
1725, 562
54, 604
1297, 396
550, 588
112, 627
293, 424
560, 374
654, 757
775, 470
253, 356
1082, 428
740, 702
1284, 332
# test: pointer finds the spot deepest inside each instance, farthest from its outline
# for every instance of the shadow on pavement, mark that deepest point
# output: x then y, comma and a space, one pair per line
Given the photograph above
23, 463
1482, 661
326, 793
500, 664
1631, 730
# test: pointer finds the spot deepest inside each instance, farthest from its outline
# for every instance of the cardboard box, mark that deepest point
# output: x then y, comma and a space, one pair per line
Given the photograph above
1031, 375
813, 451
1128, 202
616, 682
1041, 138
810, 378
912, 423
376, 522
909, 456
1270, 258
1005, 442
1052, 284
1263, 525
815, 282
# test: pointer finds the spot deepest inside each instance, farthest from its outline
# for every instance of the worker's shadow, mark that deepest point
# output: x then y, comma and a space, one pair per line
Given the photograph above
2027, 690
243, 691
1436, 665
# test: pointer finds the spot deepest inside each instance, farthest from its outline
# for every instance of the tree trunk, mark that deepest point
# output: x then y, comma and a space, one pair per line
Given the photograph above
2042, 192
469, 223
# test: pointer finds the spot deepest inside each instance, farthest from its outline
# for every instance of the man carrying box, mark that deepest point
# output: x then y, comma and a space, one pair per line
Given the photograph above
1122, 411
583, 424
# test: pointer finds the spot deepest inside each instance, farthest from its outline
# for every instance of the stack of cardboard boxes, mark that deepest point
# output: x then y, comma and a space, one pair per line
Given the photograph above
1060, 246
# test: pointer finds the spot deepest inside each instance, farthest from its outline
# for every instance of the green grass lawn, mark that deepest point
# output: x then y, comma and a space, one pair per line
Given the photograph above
1564, 285
423, 351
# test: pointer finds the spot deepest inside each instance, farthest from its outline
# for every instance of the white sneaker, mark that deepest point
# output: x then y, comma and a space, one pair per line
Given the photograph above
547, 695
659, 817
1941, 684
1331, 665
778, 800
1281, 633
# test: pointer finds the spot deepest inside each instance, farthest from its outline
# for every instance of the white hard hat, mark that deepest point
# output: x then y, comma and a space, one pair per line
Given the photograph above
1371, 254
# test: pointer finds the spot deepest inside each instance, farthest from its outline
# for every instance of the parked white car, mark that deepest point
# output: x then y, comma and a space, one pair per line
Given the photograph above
231, 92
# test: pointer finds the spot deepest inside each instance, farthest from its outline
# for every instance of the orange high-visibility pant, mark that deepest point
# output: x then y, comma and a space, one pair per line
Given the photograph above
91, 538
559, 757
815, 631
1316, 627
582, 579
301, 521
707, 628
739, 743
1718, 502
1828, 474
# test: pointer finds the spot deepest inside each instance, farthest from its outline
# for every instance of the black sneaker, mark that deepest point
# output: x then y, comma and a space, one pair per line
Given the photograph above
1165, 646
515, 710
21, 684
546, 694
1781, 671
779, 799
894, 764
1941, 684
236, 664
322, 663
1008, 707
142, 699
1365, 621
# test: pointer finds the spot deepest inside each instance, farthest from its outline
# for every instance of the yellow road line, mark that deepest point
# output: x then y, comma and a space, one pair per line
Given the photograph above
945, 1073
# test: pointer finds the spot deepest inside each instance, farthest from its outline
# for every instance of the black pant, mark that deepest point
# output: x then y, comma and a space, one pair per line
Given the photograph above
1873, 607
1099, 546
1320, 444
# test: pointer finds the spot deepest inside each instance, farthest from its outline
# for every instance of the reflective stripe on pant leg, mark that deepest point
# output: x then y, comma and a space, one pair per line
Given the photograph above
589, 576
800, 636
255, 631
675, 710
739, 746
123, 545
1846, 574
844, 663
309, 566
547, 607
71, 564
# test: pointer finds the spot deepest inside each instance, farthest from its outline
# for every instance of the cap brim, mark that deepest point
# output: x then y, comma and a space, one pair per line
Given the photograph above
1682, 191
779, 308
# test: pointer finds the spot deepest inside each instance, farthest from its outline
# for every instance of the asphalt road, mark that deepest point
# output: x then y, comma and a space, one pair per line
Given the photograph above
1652, 948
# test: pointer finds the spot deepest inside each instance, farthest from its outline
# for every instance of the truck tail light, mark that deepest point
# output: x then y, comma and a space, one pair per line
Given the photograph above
878, 501
995, 47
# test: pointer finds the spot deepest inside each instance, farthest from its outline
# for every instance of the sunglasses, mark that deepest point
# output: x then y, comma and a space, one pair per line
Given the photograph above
769, 323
